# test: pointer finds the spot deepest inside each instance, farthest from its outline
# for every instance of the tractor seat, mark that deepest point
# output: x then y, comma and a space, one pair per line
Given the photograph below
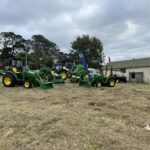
106, 75
15, 70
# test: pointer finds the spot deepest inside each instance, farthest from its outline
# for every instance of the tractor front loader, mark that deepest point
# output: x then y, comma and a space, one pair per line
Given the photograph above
18, 75
52, 76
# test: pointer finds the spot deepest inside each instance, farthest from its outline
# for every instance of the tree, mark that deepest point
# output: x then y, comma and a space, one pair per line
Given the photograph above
92, 49
44, 51
38, 50
11, 44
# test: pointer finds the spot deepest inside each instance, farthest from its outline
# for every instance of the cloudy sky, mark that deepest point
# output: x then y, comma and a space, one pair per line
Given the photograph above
122, 25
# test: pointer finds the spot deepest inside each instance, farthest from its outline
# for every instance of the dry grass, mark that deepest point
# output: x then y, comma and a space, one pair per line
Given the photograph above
72, 118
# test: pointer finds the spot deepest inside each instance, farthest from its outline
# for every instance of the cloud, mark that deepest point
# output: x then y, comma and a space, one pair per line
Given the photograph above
122, 25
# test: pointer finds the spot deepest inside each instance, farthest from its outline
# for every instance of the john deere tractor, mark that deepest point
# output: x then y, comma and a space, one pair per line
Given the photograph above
78, 74
61, 70
107, 75
18, 75
52, 76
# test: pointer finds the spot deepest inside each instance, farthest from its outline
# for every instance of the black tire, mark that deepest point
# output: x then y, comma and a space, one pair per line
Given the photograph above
117, 81
111, 82
93, 84
124, 80
9, 80
27, 84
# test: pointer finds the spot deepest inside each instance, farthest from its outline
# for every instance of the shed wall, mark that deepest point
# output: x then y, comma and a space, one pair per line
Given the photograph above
144, 70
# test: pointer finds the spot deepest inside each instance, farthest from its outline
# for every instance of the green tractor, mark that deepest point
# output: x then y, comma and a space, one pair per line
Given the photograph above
61, 70
18, 74
52, 76
108, 76
78, 74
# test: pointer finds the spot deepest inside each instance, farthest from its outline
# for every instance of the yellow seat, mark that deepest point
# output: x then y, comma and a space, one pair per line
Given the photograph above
53, 73
107, 75
14, 69
86, 77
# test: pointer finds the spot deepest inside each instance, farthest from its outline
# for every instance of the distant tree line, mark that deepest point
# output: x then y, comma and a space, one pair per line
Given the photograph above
41, 51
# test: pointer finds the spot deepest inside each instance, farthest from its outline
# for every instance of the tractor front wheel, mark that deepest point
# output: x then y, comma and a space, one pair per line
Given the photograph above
98, 84
111, 82
117, 81
8, 80
63, 75
27, 84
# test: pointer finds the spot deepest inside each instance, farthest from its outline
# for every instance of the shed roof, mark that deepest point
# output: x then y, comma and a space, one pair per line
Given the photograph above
134, 63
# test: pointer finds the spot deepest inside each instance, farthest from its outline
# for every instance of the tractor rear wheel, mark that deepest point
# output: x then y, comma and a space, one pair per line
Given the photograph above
63, 75
27, 84
93, 84
8, 80
111, 82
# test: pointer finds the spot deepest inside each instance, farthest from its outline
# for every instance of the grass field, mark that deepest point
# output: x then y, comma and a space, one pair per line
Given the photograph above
72, 118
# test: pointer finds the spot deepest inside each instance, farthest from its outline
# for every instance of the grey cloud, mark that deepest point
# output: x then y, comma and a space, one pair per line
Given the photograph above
122, 25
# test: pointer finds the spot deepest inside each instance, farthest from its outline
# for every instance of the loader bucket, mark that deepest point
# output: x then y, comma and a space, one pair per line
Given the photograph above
58, 81
46, 85
85, 83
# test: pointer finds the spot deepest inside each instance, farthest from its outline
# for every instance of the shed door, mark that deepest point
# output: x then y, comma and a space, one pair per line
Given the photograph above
139, 76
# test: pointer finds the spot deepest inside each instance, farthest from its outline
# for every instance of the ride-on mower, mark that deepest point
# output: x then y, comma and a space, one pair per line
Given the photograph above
77, 73
18, 74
